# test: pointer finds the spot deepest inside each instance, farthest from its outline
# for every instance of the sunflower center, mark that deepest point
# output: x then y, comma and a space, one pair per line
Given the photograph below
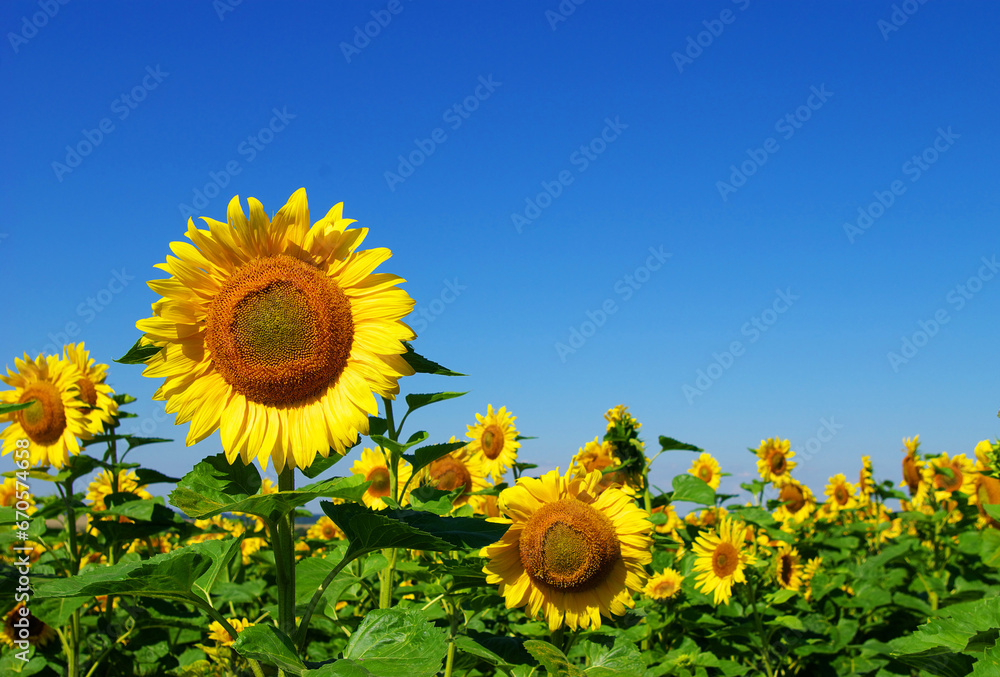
45, 420
777, 463
725, 559
666, 588
705, 473
280, 331
840, 494
379, 478
492, 441
786, 570
950, 483
449, 473
88, 393
569, 545
793, 497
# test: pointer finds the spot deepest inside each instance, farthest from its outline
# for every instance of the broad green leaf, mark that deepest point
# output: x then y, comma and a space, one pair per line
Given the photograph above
989, 549
321, 464
397, 643
377, 425
267, 644
552, 659
952, 630
790, 622
219, 571
422, 365
433, 500
134, 441
341, 668
416, 400
460, 532
368, 530
424, 456
622, 660
138, 354
213, 485
56, 612
147, 476
693, 489
16, 406
386, 443
670, 444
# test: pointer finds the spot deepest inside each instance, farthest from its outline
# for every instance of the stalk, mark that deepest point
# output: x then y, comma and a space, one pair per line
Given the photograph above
385, 576
72, 642
284, 549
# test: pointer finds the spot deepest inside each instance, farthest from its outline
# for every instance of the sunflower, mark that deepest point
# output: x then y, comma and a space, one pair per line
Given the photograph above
220, 635
706, 468
54, 422
570, 552
494, 440
986, 489
721, 559
598, 455
708, 517
962, 475
373, 468
866, 483
486, 505
102, 486
459, 469
840, 494
325, 530
249, 546
788, 567
911, 464
95, 394
35, 632
153, 545
673, 522
9, 496
808, 571
797, 503
664, 585
620, 413
773, 462
277, 333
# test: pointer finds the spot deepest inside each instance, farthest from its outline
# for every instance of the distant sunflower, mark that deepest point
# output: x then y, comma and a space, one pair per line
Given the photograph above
103, 486
325, 529
278, 333
788, 567
95, 394
620, 413
912, 465
707, 468
841, 494
866, 482
961, 478
35, 633
598, 455
494, 439
798, 503
808, 571
9, 499
373, 468
721, 559
54, 422
673, 522
773, 462
219, 634
570, 552
459, 469
664, 585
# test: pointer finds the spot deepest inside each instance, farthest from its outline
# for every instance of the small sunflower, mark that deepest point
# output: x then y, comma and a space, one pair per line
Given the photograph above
35, 632
962, 475
95, 394
221, 636
797, 501
773, 462
459, 469
673, 522
620, 413
486, 505
373, 468
866, 483
721, 559
325, 529
103, 486
277, 333
494, 440
788, 567
54, 422
9, 496
912, 465
808, 571
707, 468
570, 552
841, 494
598, 455
664, 585
708, 517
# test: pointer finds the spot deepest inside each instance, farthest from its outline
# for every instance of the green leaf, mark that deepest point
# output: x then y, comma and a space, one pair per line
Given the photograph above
670, 444
622, 660
377, 425
433, 500
219, 571
56, 612
17, 406
267, 644
422, 365
147, 476
397, 643
138, 354
790, 622
951, 631
460, 532
552, 659
416, 400
693, 489
321, 464
339, 668
367, 530
387, 443
134, 441
424, 456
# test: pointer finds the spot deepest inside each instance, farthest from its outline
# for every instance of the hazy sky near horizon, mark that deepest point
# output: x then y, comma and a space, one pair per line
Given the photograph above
741, 219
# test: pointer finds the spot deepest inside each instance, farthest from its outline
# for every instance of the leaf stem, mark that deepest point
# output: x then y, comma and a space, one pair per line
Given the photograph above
317, 596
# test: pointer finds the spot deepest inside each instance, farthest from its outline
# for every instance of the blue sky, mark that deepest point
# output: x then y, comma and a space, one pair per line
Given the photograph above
590, 207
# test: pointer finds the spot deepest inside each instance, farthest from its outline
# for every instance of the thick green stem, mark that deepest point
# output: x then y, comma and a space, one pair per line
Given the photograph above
285, 563
317, 596
385, 576
453, 612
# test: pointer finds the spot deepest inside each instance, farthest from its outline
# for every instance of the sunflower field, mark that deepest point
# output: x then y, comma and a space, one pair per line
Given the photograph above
279, 333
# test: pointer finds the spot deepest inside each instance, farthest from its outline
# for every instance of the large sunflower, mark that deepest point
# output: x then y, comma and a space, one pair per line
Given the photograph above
721, 559
277, 332
373, 468
95, 394
706, 468
54, 422
773, 462
570, 552
494, 439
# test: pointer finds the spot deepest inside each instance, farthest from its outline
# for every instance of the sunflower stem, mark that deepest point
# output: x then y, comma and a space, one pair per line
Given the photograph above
285, 563
764, 638
72, 643
452, 610
385, 576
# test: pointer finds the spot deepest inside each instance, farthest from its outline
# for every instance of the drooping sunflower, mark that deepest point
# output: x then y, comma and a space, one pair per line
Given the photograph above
797, 503
54, 422
788, 567
278, 333
459, 469
494, 439
912, 465
773, 462
219, 634
664, 585
721, 559
673, 522
95, 394
808, 571
373, 468
35, 633
598, 455
707, 468
866, 482
841, 494
570, 552
962, 475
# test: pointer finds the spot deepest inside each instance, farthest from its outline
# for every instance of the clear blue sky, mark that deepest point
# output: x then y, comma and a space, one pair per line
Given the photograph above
630, 122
